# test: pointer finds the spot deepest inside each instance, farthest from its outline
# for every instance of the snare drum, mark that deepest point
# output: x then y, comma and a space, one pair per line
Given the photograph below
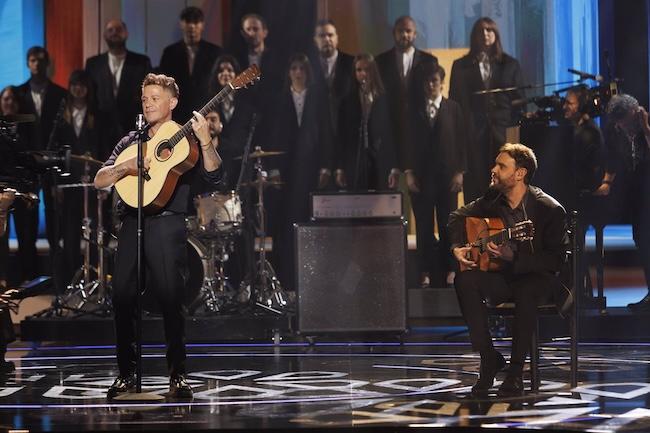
216, 214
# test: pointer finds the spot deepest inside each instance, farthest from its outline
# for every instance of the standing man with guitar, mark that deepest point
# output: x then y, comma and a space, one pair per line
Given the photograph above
164, 226
520, 271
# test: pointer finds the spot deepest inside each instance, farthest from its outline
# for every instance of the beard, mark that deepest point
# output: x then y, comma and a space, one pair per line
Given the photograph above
115, 44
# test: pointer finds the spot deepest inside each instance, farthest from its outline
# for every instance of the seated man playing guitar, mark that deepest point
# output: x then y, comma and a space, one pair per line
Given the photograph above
523, 271
165, 251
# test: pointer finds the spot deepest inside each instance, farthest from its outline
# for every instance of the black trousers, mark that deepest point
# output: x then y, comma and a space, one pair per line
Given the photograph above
433, 255
527, 291
165, 259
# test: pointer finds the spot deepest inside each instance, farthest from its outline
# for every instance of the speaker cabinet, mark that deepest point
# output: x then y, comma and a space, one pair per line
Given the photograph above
351, 277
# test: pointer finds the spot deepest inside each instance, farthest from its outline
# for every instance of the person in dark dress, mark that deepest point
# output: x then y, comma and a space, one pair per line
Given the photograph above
367, 158
487, 115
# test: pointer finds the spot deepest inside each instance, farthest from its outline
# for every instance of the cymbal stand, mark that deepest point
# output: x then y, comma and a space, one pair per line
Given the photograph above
268, 291
82, 289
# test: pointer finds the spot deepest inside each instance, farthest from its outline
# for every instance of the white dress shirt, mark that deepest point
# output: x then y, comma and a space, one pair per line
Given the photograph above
299, 103
78, 116
116, 64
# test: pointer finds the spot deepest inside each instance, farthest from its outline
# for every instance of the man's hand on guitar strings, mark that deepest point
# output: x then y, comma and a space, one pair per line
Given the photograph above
201, 129
503, 252
462, 254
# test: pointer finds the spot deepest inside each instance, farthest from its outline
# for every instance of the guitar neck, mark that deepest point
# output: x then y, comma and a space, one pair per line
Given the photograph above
497, 238
187, 127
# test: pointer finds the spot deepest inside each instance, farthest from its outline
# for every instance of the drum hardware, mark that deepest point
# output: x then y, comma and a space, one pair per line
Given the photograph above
259, 153
85, 294
263, 288
216, 294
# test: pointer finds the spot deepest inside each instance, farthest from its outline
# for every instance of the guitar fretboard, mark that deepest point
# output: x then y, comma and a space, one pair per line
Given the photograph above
187, 127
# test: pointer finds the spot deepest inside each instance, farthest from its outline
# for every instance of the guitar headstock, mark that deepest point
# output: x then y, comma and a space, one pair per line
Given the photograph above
249, 76
523, 231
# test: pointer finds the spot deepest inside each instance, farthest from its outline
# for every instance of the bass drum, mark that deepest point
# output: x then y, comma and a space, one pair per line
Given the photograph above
197, 266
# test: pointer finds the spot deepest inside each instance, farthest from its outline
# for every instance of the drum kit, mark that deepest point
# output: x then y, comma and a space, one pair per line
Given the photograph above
212, 238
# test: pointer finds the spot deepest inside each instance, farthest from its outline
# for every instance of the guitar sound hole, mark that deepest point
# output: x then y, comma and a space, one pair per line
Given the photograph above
164, 151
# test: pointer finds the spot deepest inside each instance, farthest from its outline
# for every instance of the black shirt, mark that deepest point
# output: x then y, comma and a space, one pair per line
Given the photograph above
180, 200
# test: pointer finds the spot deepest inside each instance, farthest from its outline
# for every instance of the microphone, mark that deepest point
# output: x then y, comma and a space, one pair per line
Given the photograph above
141, 126
586, 75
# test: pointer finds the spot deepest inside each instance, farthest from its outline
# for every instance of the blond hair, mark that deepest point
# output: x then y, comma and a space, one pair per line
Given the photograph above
167, 83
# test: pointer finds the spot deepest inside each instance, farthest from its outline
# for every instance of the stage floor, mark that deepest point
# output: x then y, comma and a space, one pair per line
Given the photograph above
386, 386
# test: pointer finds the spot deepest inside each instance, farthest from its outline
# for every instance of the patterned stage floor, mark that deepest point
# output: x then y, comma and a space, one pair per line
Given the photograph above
387, 386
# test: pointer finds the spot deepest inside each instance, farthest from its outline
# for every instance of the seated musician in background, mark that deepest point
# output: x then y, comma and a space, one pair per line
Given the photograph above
164, 241
528, 272
6, 327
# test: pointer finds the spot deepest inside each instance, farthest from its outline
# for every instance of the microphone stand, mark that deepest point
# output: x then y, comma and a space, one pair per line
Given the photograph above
141, 128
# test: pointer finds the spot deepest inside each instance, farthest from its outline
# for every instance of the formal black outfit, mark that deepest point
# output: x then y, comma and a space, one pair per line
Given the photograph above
529, 280
120, 107
193, 84
87, 141
367, 151
487, 116
335, 87
165, 258
263, 95
25, 216
39, 135
437, 152
304, 143
401, 89
628, 157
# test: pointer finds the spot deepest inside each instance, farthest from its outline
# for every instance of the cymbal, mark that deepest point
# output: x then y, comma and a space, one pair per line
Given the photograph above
262, 154
18, 118
264, 182
86, 158
77, 185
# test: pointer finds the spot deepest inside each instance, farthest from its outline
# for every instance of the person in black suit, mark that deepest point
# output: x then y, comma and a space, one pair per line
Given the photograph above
190, 62
627, 179
234, 115
116, 77
366, 155
82, 129
25, 216
485, 67
435, 163
333, 73
7, 334
263, 96
301, 131
41, 97
528, 275
398, 67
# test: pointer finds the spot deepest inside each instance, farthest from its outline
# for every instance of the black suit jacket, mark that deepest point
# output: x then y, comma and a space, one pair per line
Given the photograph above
400, 93
496, 108
40, 132
550, 241
439, 150
338, 88
194, 88
380, 138
120, 111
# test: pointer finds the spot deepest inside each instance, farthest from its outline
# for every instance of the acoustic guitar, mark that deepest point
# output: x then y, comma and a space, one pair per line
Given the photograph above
481, 231
173, 151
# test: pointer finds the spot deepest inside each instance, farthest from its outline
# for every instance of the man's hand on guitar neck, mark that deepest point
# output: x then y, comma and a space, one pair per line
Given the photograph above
461, 254
503, 251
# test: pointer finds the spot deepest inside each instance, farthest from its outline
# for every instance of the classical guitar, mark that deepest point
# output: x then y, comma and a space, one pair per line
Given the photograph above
481, 231
173, 151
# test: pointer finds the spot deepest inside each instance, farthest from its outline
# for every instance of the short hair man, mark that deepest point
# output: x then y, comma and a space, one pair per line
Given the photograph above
529, 268
165, 240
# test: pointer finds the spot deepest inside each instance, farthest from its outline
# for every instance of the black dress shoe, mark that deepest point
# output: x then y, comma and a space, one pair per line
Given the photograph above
179, 388
512, 386
489, 369
121, 385
642, 305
